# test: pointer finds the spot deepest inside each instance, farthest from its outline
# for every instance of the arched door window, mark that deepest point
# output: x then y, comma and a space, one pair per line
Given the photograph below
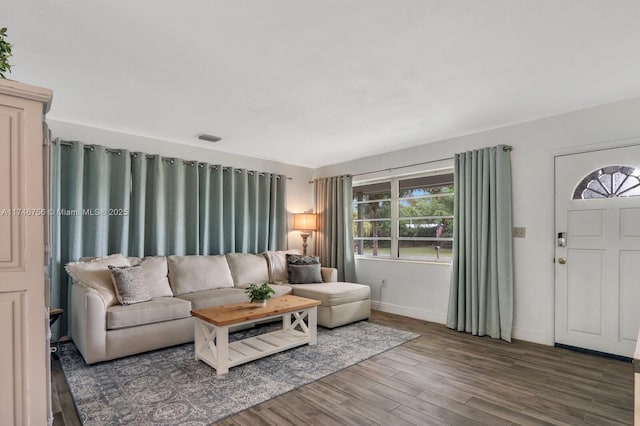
609, 182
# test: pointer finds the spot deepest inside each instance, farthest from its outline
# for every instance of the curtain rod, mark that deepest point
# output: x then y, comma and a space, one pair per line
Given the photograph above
388, 169
168, 159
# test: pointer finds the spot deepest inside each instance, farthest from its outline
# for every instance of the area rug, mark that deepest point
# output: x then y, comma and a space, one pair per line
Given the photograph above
168, 387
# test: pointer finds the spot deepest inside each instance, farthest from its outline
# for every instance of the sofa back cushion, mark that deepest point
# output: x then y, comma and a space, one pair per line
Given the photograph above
156, 275
188, 274
247, 268
96, 274
277, 262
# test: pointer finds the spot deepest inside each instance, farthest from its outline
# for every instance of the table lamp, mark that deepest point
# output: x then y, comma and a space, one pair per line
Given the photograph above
305, 223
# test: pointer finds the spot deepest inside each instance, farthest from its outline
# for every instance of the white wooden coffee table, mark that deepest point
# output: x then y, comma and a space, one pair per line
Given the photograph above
299, 327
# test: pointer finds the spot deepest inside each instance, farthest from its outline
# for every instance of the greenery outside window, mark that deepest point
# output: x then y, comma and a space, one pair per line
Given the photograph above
405, 218
372, 219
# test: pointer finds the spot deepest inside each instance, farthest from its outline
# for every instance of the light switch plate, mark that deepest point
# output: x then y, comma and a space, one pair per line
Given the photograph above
519, 231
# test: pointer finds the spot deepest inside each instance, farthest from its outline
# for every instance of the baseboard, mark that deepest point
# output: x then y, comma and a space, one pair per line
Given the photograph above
407, 311
532, 336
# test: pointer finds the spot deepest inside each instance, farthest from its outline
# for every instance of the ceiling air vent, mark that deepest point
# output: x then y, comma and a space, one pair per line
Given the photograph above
209, 138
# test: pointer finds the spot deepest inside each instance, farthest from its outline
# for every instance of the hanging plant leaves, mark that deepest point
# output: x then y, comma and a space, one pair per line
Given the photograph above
5, 53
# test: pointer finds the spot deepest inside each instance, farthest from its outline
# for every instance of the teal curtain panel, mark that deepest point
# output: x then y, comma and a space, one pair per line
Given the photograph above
107, 201
481, 294
333, 242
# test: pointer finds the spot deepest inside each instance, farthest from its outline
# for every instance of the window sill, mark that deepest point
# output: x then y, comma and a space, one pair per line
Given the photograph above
388, 259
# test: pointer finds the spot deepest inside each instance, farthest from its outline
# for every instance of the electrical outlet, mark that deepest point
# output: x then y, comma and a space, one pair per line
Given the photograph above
519, 231
384, 283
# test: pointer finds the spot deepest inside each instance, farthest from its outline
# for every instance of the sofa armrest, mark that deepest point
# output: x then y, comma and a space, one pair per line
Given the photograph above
89, 323
329, 275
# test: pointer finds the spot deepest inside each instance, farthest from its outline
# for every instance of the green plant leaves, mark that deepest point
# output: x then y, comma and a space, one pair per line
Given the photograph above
5, 53
259, 293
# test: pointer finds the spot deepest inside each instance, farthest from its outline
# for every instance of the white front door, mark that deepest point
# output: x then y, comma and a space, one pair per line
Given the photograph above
597, 272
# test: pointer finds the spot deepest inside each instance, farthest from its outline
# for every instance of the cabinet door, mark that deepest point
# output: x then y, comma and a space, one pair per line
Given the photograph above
12, 380
11, 225
24, 357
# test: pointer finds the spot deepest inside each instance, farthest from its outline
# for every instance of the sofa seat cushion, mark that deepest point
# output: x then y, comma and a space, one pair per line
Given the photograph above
281, 290
215, 297
331, 294
155, 310
226, 296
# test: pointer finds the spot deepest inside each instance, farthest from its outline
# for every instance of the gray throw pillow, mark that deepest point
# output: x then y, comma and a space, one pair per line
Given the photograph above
299, 259
305, 274
128, 282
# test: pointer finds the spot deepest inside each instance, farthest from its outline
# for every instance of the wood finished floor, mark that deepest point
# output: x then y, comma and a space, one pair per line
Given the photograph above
443, 378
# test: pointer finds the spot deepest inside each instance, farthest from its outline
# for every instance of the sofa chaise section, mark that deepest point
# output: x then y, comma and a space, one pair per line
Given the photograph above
340, 302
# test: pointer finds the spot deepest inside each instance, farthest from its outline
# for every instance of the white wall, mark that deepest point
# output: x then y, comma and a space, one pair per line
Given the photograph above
421, 290
299, 192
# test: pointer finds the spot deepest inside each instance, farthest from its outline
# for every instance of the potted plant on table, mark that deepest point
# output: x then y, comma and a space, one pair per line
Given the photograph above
259, 294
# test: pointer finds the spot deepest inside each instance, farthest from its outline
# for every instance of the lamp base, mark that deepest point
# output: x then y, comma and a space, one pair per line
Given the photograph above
304, 236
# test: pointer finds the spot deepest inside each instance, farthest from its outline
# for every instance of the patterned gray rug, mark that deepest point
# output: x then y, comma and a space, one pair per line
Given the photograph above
168, 387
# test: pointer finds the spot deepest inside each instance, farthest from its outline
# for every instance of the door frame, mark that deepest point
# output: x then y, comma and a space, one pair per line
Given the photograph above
573, 150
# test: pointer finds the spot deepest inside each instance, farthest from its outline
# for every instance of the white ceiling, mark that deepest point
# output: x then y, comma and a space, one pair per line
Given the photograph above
318, 82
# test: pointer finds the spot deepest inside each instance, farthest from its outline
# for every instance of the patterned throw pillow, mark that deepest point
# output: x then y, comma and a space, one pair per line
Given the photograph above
128, 282
299, 259
303, 275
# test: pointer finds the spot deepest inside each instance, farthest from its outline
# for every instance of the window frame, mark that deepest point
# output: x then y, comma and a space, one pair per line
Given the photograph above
395, 219
385, 219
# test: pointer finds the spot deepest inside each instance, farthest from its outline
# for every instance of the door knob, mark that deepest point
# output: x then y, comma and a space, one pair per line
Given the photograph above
562, 260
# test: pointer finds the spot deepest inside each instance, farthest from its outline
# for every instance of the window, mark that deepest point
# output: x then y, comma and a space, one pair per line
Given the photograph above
372, 219
609, 182
407, 218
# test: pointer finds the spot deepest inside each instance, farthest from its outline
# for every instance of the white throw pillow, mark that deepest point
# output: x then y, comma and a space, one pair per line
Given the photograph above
277, 261
96, 274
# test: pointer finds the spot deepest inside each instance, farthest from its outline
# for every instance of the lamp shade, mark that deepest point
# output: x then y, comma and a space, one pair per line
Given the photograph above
304, 221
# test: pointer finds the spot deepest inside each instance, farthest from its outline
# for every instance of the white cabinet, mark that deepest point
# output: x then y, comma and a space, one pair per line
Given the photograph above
24, 357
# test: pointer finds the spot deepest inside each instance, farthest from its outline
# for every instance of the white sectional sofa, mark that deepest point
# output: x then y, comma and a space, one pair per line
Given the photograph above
103, 329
